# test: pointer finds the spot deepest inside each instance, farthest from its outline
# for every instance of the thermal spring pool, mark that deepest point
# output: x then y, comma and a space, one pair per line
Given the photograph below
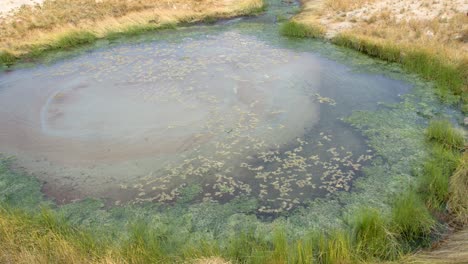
230, 116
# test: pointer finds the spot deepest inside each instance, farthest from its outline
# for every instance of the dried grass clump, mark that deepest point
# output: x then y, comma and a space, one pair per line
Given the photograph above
458, 201
345, 5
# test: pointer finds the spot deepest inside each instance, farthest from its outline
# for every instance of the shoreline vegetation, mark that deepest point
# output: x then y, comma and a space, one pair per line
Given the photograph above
433, 46
54, 25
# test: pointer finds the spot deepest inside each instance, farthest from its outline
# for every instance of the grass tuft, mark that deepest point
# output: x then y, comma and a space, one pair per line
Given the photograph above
247, 247
410, 217
298, 30
7, 58
458, 201
442, 132
335, 248
371, 236
280, 246
434, 181
73, 39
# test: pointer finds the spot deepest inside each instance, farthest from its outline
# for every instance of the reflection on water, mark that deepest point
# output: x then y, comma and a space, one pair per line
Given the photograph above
221, 112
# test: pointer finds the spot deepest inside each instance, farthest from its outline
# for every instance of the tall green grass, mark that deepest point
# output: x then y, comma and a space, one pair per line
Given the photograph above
248, 247
443, 133
298, 30
335, 247
302, 252
435, 177
7, 58
372, 237
411, 219
438, 168
144, 245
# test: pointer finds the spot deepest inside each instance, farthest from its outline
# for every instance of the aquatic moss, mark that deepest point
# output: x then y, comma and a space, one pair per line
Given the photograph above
17, 190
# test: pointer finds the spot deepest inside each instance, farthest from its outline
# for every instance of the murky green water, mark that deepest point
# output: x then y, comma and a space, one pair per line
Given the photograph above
230, 120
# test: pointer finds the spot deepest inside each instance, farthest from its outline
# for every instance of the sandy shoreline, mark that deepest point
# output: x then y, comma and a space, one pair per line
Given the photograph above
8, 6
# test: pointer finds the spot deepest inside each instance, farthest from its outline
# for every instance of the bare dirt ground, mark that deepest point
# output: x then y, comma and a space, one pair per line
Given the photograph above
7, 6
452, 250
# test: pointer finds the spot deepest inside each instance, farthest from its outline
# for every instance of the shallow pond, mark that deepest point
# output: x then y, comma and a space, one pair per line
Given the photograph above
200, 114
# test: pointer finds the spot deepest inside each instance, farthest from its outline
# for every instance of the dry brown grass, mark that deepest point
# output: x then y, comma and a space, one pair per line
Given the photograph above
446, 38
438, 25
39, 25
345, 5
458, 201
